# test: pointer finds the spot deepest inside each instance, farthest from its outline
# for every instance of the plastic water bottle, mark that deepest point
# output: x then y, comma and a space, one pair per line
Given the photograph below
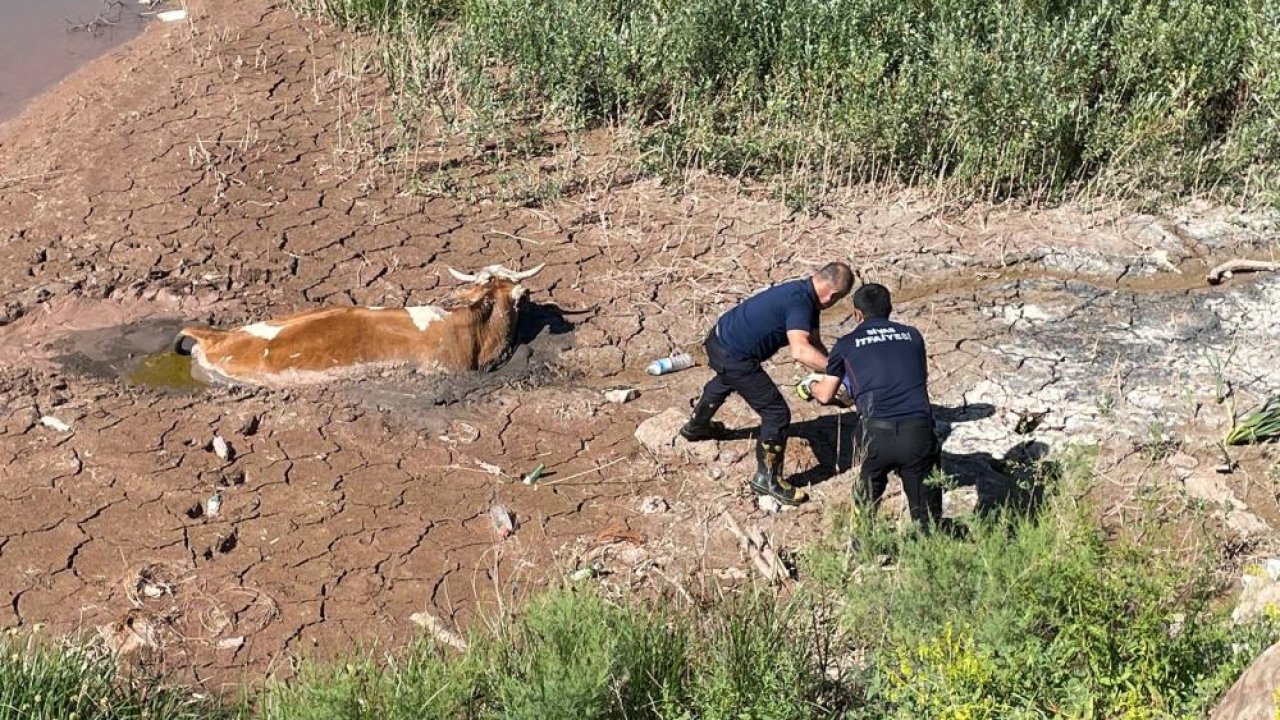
672, 363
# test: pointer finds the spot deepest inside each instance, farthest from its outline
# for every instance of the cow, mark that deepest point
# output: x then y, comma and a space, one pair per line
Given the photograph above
474, 329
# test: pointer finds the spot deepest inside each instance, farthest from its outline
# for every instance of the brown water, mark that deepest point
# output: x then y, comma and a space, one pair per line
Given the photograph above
38, 46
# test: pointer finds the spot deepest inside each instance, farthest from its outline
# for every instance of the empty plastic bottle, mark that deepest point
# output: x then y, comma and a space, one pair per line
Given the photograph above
669, 364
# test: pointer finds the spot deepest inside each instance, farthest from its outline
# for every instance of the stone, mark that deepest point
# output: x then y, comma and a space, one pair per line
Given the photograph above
653, 505
1261, 593
1210, 489
621, 396
769, 505
960, 502
1182, 461
1253, 696
660, 435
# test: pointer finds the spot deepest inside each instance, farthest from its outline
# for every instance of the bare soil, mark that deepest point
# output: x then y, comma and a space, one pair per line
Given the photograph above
242, 166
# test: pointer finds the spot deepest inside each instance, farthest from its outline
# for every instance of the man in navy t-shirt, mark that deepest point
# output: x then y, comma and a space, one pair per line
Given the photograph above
785, 315
883, 367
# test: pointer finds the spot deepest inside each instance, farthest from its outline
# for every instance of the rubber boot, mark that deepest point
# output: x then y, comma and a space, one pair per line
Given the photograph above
701, 426
768, 478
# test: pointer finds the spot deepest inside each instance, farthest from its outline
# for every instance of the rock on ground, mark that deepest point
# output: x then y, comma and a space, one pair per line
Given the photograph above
1252, 697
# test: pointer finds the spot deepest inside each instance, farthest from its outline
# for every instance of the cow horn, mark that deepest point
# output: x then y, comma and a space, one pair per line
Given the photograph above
525, 275
463, 276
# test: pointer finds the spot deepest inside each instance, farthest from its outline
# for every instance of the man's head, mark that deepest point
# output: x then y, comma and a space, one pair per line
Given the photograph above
872, 301
832, 283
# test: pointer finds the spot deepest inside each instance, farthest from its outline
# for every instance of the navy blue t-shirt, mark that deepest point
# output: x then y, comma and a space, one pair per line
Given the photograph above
882, 365
757, 328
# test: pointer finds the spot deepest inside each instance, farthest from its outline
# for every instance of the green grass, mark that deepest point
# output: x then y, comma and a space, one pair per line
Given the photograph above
1033, 617
79, 681
1032, 99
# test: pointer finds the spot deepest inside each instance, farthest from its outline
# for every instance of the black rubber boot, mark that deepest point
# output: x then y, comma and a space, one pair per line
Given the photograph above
768, 478
701, 426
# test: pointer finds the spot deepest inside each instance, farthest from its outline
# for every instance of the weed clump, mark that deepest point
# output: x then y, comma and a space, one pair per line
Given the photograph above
1036, 100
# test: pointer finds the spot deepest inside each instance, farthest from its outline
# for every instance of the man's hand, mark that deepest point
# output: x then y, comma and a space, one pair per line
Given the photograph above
828, 391
803, 351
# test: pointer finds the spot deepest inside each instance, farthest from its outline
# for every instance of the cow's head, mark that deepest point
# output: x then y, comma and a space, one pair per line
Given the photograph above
494, 295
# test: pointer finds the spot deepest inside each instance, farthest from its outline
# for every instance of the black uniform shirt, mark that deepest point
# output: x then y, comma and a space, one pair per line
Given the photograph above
757, 328
882, 365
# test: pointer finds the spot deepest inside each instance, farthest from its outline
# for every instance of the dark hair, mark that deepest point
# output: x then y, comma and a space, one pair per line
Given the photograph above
872, 300
838, 275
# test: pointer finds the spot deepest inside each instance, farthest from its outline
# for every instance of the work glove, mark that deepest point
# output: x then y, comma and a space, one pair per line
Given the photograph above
804, 390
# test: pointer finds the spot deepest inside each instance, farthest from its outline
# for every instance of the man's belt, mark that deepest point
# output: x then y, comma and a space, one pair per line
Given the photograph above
897, 423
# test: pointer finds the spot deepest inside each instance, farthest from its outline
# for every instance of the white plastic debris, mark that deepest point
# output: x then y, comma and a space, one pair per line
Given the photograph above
503, 521
623, 395
221, 448
172, 15
54, 423
595, 569
213, 504
489, 468
231, 643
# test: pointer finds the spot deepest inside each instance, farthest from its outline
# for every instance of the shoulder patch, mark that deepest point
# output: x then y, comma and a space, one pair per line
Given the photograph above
266, 331
424, 315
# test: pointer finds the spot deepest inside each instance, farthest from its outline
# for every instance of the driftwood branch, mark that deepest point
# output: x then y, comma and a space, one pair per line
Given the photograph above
438, 630
1229, 268
756, 546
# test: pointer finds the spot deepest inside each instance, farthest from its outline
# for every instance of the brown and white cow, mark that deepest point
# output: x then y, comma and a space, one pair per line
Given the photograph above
474, 329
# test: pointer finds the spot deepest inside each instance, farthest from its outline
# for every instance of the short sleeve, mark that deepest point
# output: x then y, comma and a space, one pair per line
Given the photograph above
799, 317
835, 361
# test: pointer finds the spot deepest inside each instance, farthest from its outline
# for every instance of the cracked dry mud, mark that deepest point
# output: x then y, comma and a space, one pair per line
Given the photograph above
215, 172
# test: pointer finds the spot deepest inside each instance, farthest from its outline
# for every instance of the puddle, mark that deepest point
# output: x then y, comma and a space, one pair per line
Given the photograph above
139, 353
164, 371
38, 46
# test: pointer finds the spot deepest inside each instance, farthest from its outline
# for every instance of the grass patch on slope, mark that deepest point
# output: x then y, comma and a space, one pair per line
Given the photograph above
986, 100
1033, 617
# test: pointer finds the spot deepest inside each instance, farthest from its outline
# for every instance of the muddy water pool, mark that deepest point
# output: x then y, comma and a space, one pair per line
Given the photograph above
38, 46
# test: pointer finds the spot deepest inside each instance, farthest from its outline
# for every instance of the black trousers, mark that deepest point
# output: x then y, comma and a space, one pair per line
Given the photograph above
910, 447
749, 380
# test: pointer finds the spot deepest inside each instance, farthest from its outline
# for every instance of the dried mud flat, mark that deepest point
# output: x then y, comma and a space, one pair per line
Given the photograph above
216, 172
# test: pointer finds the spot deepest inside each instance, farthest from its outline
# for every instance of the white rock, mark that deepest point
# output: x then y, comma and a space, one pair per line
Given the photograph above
769, 505
54, 423
654, 505
621, 396
1256, 597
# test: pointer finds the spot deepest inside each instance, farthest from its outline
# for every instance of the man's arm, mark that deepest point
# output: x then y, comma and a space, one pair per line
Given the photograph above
803, 351
824, 391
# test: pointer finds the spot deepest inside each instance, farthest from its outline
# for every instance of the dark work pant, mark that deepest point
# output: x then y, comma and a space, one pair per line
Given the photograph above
910, 447
749, 380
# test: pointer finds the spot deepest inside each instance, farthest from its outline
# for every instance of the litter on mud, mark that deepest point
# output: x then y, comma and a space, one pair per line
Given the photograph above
54, 423
533, 476
213, 505
221, 448
503, 521
171, 15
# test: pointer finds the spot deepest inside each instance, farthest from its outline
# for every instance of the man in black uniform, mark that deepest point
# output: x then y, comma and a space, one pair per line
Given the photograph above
883, 367
746, 336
